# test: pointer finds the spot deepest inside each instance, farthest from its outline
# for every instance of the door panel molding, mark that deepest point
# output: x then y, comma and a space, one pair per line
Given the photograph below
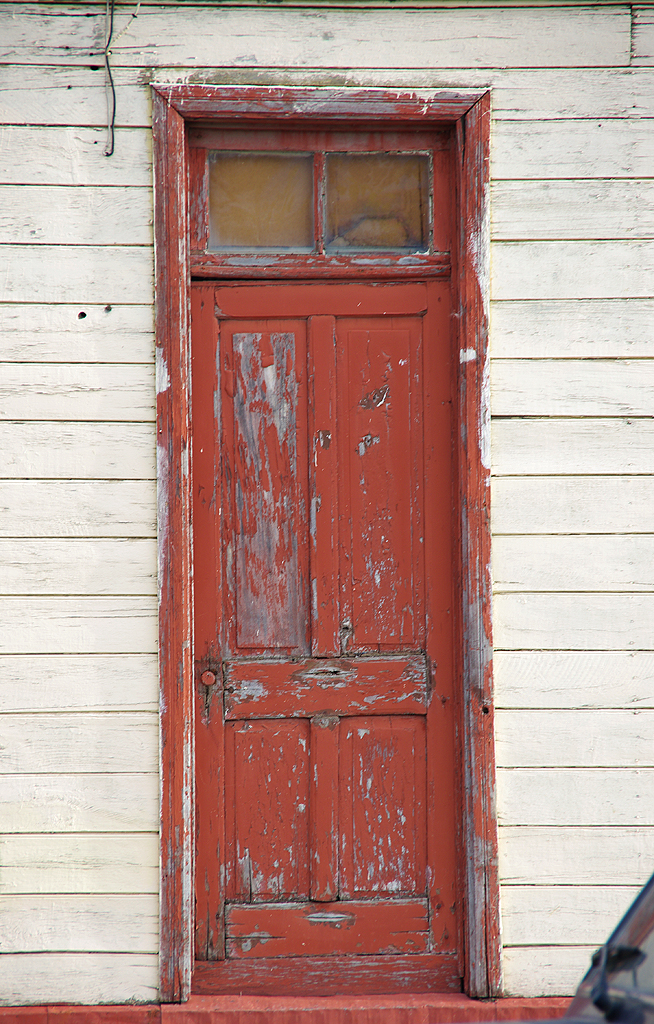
468, 111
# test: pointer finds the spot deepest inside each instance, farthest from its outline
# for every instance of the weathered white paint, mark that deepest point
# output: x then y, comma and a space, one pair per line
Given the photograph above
79, 924
574, 679
232, 37
78, 682
573, 446
567, 856
575, 796
82, 391
79, 978
77, 508
574, 739
80, 216
71, 862
598, 622
76, 333
84, 625
98, 451
105, 802
581, 564
572, 160
108, 742
583, 914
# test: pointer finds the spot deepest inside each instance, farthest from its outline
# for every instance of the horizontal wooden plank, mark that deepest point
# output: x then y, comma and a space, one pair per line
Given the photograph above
543, 915
84, 273
474, 37
581, 622
80, 924
85, 978
643, 35
74, 156
572, 387
101, 392
571, 446
79, 625
595, 147
545, 855
573, 563
63, 215
572, 209
77, 450
532, 971
79, 863
76, 333
77, 508
569, 504
572, 270
367, 686
575, 796
573, 329
75, 96
78, 682
80, 803
80, 742
323, 929
574, 739
323, 976
573, 679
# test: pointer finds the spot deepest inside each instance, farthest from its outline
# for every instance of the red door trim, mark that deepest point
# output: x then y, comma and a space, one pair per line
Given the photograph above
469, 111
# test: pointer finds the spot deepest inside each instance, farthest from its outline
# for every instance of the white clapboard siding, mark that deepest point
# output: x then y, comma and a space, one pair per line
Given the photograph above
582, 148
69, 567
572, 270
76, 96
78, 450
571, 387
529, 971
77, 508
65, 682
106, 802
572, 328
68, 215
573, 739
84, 625
79, 863
83, 273
444, 38
563, 446
80, 924
596, 622
574, 563
573, 679
79, 978
81, 391
80, 742
544, 855
568, 504
541, 915
643, 35
74, 156
575, 796
572, 209
76, 333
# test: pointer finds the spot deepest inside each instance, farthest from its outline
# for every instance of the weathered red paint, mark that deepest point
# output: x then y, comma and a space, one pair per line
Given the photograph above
302, 107
326, 759
174, 539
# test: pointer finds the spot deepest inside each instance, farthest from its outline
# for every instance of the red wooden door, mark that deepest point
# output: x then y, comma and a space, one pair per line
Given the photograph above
323, 585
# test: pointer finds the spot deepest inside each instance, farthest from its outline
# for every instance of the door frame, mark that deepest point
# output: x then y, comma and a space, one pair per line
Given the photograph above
468, 113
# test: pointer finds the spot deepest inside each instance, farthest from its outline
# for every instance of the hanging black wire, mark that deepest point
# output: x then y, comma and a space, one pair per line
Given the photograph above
111, 94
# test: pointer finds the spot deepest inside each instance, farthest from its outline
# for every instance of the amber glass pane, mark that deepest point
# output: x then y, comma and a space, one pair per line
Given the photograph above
377, 201
260, 201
